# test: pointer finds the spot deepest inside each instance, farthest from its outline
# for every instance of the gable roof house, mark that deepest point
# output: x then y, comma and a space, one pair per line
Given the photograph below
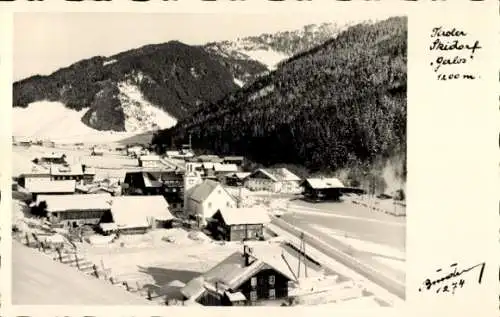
276, 180
326, 188
236, 179
67, 172
243, 278
203, 200
49, 187
136, 214
75, 210
141, 183
238, 224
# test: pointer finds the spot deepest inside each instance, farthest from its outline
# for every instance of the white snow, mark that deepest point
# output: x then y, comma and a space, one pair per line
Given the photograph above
270, 57
141, 115
52, 120
112, 61
238, 82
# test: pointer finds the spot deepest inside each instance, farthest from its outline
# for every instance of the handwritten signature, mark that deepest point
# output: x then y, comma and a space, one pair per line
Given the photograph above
443, 284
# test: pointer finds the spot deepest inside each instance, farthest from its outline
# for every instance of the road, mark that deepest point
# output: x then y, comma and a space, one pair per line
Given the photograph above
383, 236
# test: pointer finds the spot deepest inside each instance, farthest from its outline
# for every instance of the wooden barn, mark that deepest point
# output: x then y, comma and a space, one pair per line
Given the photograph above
141, 183
243, 278
49, 187
136, 214
75, 210
238, 224
326, 189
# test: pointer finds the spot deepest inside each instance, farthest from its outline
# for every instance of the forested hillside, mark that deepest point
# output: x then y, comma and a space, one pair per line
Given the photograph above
339, 104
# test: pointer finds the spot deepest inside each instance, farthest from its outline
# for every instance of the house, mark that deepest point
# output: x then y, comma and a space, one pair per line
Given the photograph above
173, 188
209, 159
53, 158
49, 187
276, 180
243, 278
48, 143
141, 183
88, 174
150, 161
238, 224
75, 210
204, 199
236, 179
238, 160
36, 175
67, 172
181, 154
97, 151
136, 214
135, 151
326, 188
22, 141
220, 169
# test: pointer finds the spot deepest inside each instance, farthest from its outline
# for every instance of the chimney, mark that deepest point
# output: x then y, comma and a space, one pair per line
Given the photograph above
246, 255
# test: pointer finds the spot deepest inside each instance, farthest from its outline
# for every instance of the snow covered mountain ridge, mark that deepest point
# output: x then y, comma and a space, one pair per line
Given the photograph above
130, 93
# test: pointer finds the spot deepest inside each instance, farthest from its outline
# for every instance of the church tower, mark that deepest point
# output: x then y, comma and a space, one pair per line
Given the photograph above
192, 178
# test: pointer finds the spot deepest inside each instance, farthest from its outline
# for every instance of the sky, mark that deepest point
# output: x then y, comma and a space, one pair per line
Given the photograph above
45, 42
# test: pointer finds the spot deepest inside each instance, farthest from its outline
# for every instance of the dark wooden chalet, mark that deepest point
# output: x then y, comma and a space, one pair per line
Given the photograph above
173, 188
243, 278
326, 189
238, 224
141, 183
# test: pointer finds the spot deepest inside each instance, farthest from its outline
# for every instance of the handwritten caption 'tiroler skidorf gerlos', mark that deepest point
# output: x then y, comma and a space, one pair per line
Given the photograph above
454, 54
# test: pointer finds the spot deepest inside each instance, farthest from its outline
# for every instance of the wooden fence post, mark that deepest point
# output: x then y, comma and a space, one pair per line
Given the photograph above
77, 263
96, 273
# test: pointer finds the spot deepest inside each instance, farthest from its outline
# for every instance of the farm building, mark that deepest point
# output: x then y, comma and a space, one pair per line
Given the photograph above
35, 176
52, 158
220, 169
73, 172
204, 199
173, 188
49, 187
323, 188
237, 224
276, 180
136, 214
238, 160
75, 210
208, 159
236, 179
243, 278
88, 174
149, 161
141, 183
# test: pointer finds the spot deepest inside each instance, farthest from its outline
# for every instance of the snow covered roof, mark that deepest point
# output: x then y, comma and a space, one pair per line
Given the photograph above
49, 186
278, 174
52, 155
202, 191
61, 170
139, 211
149, 158
231, 272
239, 216
240, 175
323, 183
218, 167
61, 203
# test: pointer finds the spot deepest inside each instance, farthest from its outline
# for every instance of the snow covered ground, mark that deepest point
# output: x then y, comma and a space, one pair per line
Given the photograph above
270, 58
141, 115
382, 253
52, 120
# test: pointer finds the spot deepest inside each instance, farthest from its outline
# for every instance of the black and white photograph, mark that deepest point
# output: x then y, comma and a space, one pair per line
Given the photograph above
209, 159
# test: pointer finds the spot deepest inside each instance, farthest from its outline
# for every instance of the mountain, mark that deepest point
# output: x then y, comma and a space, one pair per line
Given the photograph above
151, 87
339, 104
262, 53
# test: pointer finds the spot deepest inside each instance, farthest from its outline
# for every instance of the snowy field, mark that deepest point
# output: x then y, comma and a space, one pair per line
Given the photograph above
52, 120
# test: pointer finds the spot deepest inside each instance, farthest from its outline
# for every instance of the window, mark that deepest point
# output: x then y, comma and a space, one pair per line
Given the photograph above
253, 296
272, 293
272, 279
253, 282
